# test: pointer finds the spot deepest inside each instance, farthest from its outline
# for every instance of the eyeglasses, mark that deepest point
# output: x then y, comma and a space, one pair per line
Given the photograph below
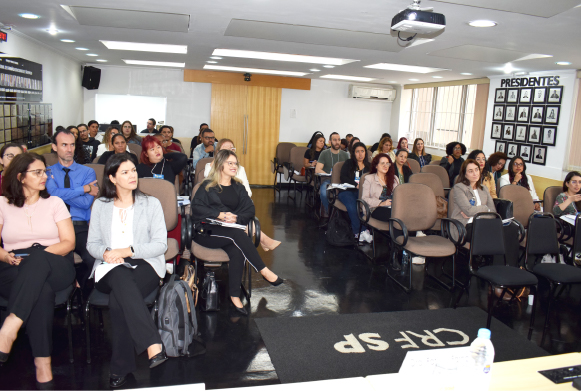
8, 156
457, 148
518, 164
209, 138
39, 173
233, 164
383, 164
575, 183
85, 131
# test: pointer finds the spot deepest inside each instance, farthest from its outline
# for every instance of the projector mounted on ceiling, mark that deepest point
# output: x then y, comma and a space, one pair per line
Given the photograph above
417, 20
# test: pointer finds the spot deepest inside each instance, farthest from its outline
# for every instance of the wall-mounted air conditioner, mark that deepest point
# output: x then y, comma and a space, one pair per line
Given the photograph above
372, 93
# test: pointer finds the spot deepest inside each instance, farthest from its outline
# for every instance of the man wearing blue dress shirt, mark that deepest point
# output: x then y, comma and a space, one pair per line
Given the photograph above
77, 186
207, 148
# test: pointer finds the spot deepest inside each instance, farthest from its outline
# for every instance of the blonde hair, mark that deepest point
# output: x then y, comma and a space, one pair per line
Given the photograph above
222, 142
107, 136
382, 143
213, 178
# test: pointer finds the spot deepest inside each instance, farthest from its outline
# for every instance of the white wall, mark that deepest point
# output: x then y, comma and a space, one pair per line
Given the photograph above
61, 77
188, 104
327, 108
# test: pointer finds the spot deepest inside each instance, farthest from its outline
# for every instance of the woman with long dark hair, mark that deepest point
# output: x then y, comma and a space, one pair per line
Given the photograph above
379, 185
401, 167
312, 140
312, 154
129, 132
403, 144
419, 153
565, 202
119, 147
453, 160
517, 175
385, 146
36, 259
128, 227
486, 177
107, 144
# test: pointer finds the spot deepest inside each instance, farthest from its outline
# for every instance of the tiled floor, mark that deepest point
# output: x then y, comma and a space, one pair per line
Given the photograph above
320, 280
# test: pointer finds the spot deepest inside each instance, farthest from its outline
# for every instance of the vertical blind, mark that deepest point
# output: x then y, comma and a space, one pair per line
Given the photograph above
574, 163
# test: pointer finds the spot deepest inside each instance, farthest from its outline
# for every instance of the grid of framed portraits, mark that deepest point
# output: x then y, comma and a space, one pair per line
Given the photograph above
525, 121
25, 123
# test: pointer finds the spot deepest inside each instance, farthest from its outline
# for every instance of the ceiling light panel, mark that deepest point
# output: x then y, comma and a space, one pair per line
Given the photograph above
405, 68
155, 63
146, 47
254, 70
281, 57
29, 16
342, 77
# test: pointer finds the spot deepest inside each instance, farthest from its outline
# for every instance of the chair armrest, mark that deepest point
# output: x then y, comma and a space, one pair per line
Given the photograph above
447, 188
190, 232
254, 230
521, 229
402, 227
332, 195
184, 229
365, 206
445, 231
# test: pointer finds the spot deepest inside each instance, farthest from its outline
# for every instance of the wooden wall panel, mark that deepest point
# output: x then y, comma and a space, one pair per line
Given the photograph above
232, 78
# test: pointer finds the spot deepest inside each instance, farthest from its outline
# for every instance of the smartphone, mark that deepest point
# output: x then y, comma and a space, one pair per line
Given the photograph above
21, 255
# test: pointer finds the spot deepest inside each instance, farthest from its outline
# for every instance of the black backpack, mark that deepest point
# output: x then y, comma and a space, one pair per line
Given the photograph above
339, 231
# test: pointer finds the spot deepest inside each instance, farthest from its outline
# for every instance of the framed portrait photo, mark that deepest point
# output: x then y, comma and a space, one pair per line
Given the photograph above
508, 132
496, 131
537, 114
511, 150
498, 113
500, 146
512, 96
523, 114
552, 115
539, 95
520, 133
554, 95
500, 96
535, 133
525, 95
549, 135
539, 155
510, 113
525, 151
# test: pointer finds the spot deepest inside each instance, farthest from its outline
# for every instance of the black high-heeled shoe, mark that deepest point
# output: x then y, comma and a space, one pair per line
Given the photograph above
274, 283
49, 385
239, 310
116, 382
158, 359
4, 357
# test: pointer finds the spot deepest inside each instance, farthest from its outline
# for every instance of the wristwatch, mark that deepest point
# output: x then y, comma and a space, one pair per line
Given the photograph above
132, 251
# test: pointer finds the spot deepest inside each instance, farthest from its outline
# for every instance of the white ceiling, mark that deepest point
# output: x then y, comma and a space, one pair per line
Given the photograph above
338, 29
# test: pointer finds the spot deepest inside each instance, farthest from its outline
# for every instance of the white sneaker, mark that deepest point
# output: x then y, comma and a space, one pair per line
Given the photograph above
366, 235
419, 234
418, 260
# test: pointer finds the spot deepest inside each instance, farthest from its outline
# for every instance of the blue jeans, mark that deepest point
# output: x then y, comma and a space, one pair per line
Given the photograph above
323, 192
349, 199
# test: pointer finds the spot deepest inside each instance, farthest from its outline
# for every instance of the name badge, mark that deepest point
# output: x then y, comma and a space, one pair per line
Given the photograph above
158, 176
473, 202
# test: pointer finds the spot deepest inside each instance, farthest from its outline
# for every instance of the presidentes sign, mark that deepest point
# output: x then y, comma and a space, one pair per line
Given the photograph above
541, 81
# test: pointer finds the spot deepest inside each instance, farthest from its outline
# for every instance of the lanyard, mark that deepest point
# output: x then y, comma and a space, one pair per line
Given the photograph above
162, 167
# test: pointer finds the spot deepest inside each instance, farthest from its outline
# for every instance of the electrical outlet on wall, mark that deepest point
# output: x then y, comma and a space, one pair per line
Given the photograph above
293, 113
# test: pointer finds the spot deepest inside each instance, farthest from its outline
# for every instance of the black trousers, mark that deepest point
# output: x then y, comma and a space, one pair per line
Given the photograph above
85, 268
30, 290
240, 249
133, 328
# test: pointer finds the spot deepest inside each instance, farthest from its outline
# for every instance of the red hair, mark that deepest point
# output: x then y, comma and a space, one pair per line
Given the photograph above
399, 142
389, 175
147, 143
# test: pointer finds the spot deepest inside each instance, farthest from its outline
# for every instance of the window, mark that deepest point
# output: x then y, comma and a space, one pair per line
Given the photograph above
440, 115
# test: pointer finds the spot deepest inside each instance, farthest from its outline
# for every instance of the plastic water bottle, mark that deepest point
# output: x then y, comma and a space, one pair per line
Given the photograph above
482, 353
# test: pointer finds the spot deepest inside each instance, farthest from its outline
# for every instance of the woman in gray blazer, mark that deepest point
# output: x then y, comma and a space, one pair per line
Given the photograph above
128, 229
469, 196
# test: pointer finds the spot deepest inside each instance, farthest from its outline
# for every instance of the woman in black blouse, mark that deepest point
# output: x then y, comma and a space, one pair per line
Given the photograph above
402, 168
119, 146
312, 154
223, 197
156, 164
352, 170
453, 161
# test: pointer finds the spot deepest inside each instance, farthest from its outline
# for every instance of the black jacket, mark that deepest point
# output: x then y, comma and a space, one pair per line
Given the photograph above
207, 204
106, 155
348, 173
174, 164
427, 158
453, 169
407, 173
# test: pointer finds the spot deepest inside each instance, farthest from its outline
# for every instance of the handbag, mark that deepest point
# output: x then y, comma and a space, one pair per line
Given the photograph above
504, 208
441, 207
189, 277
210, 293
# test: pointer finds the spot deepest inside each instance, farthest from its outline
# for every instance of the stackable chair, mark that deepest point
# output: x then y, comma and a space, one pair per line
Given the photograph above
522, 202
332, 194
282, 157
366, 220
414, 165
136, 149
434, 183
50, 158
200, 166
434, 163
441, 173
295, 163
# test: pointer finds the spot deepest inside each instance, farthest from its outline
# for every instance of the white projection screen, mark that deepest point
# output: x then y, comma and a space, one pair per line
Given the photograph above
137, 109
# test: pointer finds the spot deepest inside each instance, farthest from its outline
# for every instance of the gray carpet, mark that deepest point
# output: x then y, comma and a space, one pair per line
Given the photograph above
317, 347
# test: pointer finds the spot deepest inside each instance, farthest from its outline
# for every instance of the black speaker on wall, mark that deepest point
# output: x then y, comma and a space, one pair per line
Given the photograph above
91, 78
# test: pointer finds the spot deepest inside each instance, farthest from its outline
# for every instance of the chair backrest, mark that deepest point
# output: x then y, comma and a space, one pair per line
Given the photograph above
415, 205
440, 172
434, 163
522, 202
336, 173
487, 235
361, 182
296, 156
542, 235
200, 167
430, 180
96, 159
50, 158
99, 171
414, 165
549, 198
136, 149
283, 151
165, 192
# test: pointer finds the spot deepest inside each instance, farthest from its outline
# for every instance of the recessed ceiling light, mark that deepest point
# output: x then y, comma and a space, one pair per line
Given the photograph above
315, 70
392, 81
563, 63
212, 62
404, 68
482, 23
281, 57
67, 40
101, 60
466, 73
508, 68
342, 77
29, 16
414, 79
328, 66
216, 58
254, 70
81, 48
156, 63
92, 54
52, 31
146, 47
437, 77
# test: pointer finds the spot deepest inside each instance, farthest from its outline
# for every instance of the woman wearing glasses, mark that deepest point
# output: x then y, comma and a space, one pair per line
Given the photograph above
36, 260
453, 160
565, 202
486, 178
222, 197
7, 153
517, 175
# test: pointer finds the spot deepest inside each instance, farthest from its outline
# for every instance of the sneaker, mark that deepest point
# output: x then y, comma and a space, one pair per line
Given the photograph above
419, 234
418, 260
367, 236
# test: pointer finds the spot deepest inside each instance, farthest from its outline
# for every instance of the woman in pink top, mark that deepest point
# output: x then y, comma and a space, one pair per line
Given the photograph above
36, 261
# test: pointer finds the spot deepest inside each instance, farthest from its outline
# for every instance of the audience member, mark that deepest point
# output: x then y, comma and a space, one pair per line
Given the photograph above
453, 160
419, 153
128, 227
150, 127
119, 146
375, 146
74, 131
152, 154
565, 202
94, 130
59, 127
106, 145
197, 139
351, 172
90, 145
38, 225
222, 197
79, 156
402, 169
348, 138
486, 178
353, 141
312, 154
469, 196
344, 144
77, 186
266, 242
129, 132
115, 124
378, 187
517, 175
207, 148
7, 153
403, 144
496, 162
168, 141
327, 160
310, 144
385, 146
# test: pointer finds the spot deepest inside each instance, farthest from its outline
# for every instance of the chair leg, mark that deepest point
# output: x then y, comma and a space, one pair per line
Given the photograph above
490, 305
70, 330
87, 330
552, 298
373, 245
408, 288
533, 312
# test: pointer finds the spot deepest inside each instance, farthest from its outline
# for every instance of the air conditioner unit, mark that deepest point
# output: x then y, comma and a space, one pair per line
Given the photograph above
373, 93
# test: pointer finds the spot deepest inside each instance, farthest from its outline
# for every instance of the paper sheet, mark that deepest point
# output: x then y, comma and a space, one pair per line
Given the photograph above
105, 268
223, 224
569, 219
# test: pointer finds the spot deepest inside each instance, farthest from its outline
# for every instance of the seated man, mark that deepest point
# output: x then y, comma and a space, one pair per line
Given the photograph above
327, 159
207, 148
90, 145
77, 186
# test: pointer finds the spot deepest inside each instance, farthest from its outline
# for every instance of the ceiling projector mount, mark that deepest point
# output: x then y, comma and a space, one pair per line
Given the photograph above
417, 20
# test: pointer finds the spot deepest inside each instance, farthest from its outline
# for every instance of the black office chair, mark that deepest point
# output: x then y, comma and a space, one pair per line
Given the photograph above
542, 239
488, 241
